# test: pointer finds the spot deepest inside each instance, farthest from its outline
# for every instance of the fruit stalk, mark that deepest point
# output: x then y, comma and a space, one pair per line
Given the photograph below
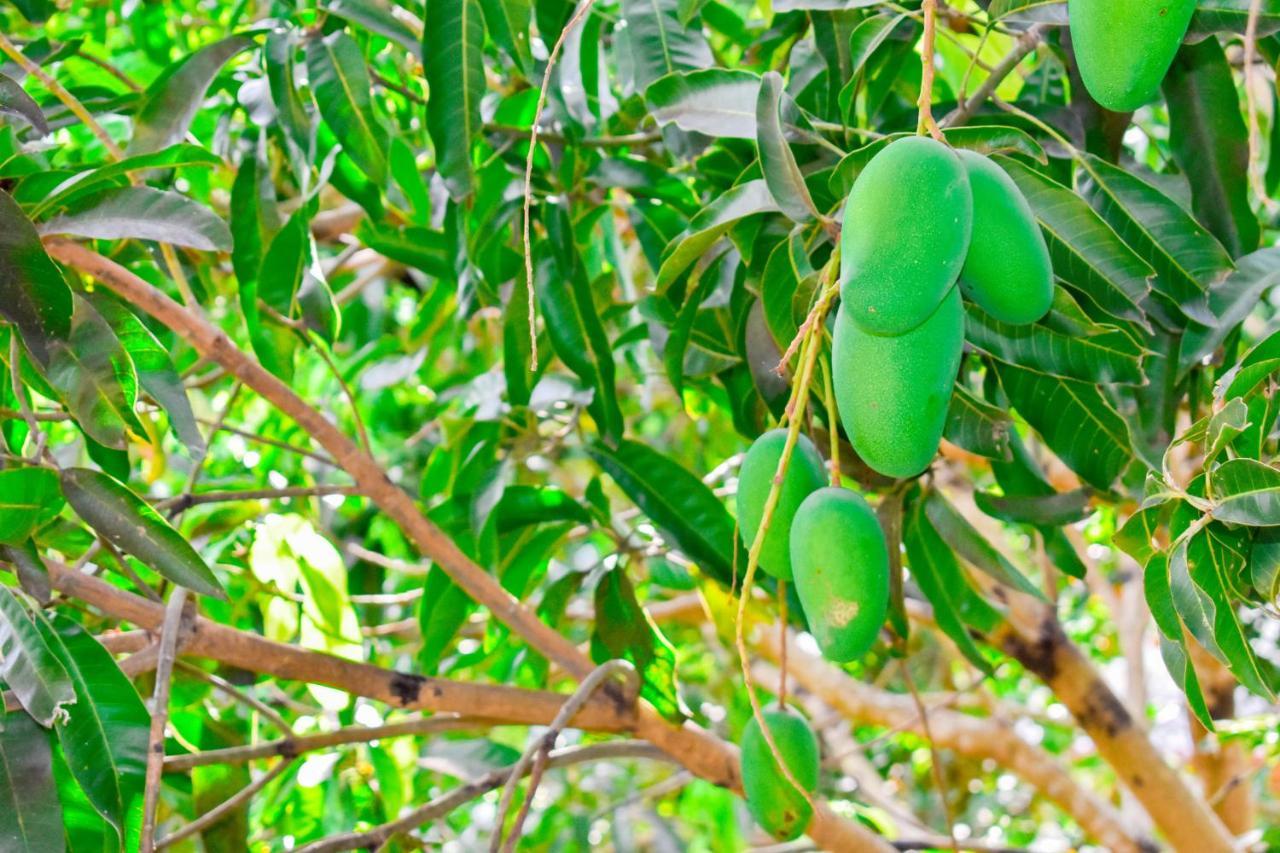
925, 103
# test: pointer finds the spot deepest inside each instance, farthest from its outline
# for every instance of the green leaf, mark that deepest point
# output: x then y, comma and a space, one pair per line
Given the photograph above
377, 16
453, 44
35, 11
291, 112
977, 426
1074, 419
1215, 16
30, 668
692, 518
673, 354
658, 43
521, 506
1247, 492
716, 101
781, 173
33, 576
144, 213
1230, 302
171, 102
107, 730
95, 378
442, 611
1264, 564
710, 225
88, 182
1215, 559
1087, 254
1211, 144
421, 248
1137, 536
342, 88
623, 630
940, 578
1111, 356
16, 102
284, 262
34, 296
1047, 510
30, 817
29, 498
972, 546
123, 519
786, 287
1173, 644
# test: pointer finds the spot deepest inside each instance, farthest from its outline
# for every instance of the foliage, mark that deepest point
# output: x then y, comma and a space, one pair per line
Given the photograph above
340, 189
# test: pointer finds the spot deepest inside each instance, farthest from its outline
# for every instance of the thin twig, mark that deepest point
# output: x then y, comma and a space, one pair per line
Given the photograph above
933, 753
1025, 44
224, 808
185, 500
927, 72
581, 13
173, 619
537, 751
327, 357
220, 683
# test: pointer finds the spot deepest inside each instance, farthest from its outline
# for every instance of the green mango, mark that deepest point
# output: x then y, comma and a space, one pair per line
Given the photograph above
893, 393
1125, 47
841, 566
805, 475
1007, 271
906, 230
776, 805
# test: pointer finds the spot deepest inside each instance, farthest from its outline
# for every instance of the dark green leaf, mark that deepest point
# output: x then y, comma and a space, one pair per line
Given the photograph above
453, 42
1247, 492
710, 225
1137, 536
33, 294
88, 182
30, 817
128, 523
377, 16
172, 101
1230, 302
27, 664
715, 101
442, 611
1111, 356
659, 43
1210, 143
972, 546
33, 576
977, 426
342, 88
1049, 510
691, 516
781, 173
623, 630
15, 101
144, 213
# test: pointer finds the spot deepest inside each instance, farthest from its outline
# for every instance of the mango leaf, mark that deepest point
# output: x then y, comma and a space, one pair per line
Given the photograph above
442, 612
30, 816
1086, 252
15, 101
95, 378
659, 43
1188, 259
521, 506
171, 102
977, 426
1211, 144
623, 630
1173, 645
716, 101
33, 576
710, 225
27, 664
690, 515
342, 88
377, 16
121, 517
1215, 559
1107, 357
144, 213
1247, 492
29, 497
453, 43
1230, 302
1216, 16
1137, 536
786, 288
1264, 564
781, 173
935, 570
1074, 419
34, 296
291, 112
1047, 510
155, 369
90, 181
972, 546
106, 732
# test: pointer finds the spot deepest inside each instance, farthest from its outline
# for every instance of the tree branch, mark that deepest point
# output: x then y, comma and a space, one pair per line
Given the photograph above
701, 752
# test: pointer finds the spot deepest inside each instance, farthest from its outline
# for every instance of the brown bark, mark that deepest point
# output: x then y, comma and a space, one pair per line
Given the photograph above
699, 751
971, 736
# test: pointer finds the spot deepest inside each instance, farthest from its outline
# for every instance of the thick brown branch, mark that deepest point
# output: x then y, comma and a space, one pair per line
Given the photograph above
699, 751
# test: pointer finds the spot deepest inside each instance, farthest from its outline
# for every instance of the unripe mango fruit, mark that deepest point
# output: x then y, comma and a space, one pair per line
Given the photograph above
893, 393
1125, 47
841, 567
804, 475
906, 230
1007, 271
776, 805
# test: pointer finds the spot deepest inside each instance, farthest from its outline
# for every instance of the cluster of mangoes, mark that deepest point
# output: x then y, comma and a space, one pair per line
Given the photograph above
1124, 48
828, 542
920, 218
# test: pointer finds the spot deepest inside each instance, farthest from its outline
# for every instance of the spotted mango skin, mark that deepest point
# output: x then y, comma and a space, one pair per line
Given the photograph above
780, 809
